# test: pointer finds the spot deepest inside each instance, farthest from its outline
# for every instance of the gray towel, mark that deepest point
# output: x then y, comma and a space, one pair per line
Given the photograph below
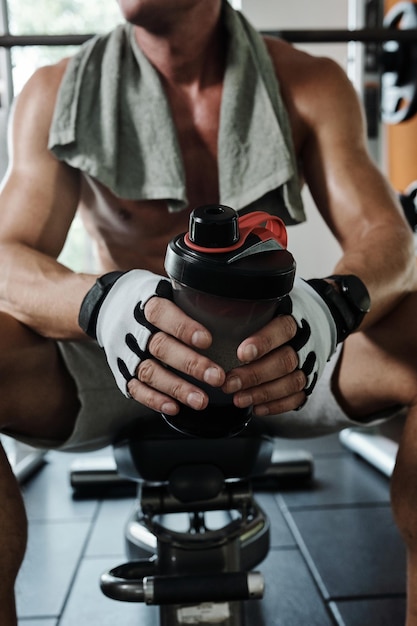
113, 122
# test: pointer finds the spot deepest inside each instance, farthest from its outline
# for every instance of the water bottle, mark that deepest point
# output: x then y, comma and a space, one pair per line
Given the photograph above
229, 273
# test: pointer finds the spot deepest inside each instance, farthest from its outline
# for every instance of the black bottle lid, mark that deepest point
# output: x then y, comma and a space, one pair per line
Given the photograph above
214, 226
231, 256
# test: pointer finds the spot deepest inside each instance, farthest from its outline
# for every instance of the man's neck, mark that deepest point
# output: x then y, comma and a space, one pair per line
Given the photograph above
190, 51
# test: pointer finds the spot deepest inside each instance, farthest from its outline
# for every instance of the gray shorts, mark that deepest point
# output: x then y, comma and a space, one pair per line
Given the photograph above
104, 411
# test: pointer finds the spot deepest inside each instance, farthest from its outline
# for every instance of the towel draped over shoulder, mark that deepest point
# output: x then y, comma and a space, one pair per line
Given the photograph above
113, 122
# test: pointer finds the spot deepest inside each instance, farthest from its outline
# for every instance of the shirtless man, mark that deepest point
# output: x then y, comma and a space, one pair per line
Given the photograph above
40, 299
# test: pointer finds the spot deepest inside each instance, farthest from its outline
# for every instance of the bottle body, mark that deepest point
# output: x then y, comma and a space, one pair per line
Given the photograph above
229, 273
230, 321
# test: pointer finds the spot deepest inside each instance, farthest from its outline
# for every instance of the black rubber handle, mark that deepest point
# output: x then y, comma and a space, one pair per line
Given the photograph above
200, 588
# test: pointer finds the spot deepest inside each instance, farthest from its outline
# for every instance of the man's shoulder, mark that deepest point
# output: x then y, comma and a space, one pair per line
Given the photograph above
36, 102
46, 80
313, 87
307, 80
293, 63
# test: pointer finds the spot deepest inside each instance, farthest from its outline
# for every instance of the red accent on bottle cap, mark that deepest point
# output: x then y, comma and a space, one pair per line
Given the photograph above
273, 228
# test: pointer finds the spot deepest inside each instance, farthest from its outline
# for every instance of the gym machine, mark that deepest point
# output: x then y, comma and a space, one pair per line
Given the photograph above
197, 531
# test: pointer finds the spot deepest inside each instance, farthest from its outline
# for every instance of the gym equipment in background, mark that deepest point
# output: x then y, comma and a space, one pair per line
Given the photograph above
399, 67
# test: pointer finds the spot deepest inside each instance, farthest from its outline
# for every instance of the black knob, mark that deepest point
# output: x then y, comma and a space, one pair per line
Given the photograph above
214, 226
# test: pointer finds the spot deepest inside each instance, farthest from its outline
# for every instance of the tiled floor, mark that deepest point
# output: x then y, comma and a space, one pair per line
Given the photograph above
336, 558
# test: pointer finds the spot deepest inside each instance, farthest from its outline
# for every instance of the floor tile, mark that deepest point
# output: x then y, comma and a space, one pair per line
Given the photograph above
87, 605
354, 551
370, 612
280, 534
51, 560
291, 597
107, 537
319, 446
49, 496
38, 622
343, 480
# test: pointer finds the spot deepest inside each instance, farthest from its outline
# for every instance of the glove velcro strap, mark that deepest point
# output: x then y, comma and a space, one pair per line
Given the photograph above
94, 298
343, 316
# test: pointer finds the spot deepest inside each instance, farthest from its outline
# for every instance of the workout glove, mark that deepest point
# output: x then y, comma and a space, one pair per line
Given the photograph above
121, 327
315, 340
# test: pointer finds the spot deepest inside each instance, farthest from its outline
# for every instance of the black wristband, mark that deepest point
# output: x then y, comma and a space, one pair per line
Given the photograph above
94, 298
348, 304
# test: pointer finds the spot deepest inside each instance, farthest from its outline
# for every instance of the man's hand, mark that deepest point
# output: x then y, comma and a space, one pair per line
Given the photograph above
270, 379
285, 359
173, 345
142, 332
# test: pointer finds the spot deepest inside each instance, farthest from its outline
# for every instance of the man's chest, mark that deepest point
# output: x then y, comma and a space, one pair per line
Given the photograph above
197, 121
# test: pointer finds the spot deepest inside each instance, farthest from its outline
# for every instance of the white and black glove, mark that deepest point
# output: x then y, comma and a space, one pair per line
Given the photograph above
326, 312
316, 337
113, 313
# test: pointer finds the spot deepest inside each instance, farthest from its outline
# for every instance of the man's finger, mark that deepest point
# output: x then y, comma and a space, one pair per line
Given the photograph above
166, 316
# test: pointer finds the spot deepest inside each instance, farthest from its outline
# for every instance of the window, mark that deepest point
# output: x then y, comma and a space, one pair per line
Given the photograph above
5, 89
54, 17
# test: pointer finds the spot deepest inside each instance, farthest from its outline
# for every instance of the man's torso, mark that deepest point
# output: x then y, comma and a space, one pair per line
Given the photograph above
131, 233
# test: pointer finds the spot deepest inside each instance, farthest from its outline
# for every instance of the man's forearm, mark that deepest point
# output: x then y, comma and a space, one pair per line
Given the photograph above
40, 292
384, 259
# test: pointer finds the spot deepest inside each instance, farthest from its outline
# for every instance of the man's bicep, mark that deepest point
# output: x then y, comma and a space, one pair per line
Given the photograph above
348, 188
37, 208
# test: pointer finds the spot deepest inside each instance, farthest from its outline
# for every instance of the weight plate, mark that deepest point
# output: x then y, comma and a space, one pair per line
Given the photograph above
399, 67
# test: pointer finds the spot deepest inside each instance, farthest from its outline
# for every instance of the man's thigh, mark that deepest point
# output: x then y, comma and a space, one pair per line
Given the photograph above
104, 411
99, 411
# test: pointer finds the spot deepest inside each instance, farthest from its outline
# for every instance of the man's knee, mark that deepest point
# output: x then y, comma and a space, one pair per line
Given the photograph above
379, 366
12, 521
404, 483
19, 348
